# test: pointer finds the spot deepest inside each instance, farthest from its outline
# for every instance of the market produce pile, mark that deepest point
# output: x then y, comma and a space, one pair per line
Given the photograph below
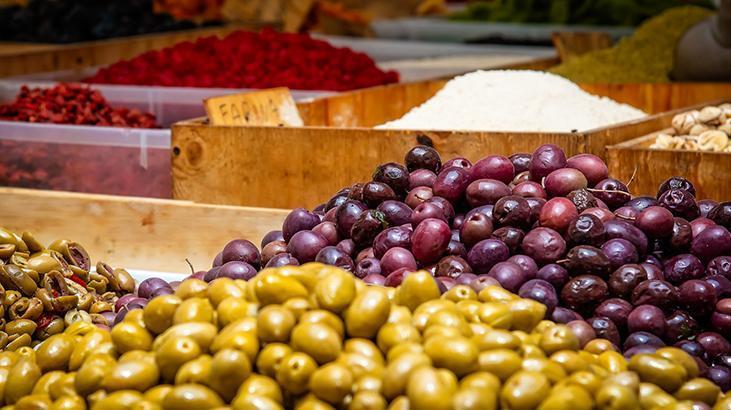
708, 129
641, 272
586, 12
514, 100
250, 60
315, 337
647, 56
72, 104
45, 289
67, 21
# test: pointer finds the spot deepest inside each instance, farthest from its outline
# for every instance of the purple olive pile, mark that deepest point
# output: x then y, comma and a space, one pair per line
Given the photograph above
642, 272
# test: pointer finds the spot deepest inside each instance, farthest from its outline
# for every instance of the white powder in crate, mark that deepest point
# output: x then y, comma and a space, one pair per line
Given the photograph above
514, 100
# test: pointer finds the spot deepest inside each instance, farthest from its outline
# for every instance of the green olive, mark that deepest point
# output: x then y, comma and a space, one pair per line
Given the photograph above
253, 402
43, 384
527, 313
699, 389
365, 347
450, 318
233, 309
426, 390
137, 316
157, 394
326, 318
34, 401
294, 372
494, 293
311, 402
202, 333
392, 334
298, 306
367, 313
55, 352
63, 387
274, 288
335, 290
616, 397
653, 396
87, 345
457, 354
570, 361
129, 336
262, 386
496, 339
275, 323
400, 403
416, 289
626, 379
480, 381
197, 370
400, 314
8, 359
496, 314
319, 341
195, 310
175, 352
91, 374
568, 397
4, 371
158, 313
367, 400
460, 293
223, 288
368, 382
441, 331
21, 379
558, 337
503, 363
425, 310
680, 357
192, 288
550, 369
658, 370
612, 361
407, 347
475, 399
398, 371
470, 309
137, 375
69, 403
331, 383
524, 390
20, 326
229, 369
271, 356
598, 346
191, 397
43, 263
236, 338
361, 365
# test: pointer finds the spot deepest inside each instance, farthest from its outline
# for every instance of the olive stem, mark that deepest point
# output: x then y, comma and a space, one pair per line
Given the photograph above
625, 217
609, 191
192, 271
632, 178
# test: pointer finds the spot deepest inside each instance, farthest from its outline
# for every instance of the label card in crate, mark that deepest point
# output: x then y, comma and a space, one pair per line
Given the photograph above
272, 107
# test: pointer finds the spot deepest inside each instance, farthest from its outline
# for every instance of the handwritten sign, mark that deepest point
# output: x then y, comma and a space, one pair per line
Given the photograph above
272, 107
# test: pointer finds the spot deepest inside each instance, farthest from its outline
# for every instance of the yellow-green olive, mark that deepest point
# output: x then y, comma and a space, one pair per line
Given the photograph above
294, 372
401, 314
658, 370
392, 334
4, 371
197, 370
612, 361
398, 371
18, 341
460, 293
367, 313
88, 343
335, 290
175, 352
627, 379
319, 341
157, 394
223, 288
202, 333
474, 399
616, 397
480, 381
571, 361
416, 289
34, 401
503, 363
558, 337
275, 323
158, 313
331, 382
21, 380
191, 397
234, 338
426, 390
128, 336
63, 387
229, 369
311, 402
137, 375
194, 310
407, 347
598, 346
368, 382
325, 317
274, 288
92, 372
55, 352
262, 386
524, 390
367, 400
271, 357
192, 288
653, 396
298, 306
69, 403
680, 357
699, 389
8, 359
121, 400
232, 309
568, 397
365, 347
496, 314
254, 402
457, 354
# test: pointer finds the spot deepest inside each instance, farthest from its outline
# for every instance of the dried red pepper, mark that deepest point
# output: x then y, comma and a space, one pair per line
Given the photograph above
250, 60
78, 280
72, 104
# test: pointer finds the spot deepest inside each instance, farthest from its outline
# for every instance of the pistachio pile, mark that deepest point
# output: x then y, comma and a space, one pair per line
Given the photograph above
315, 337
706, 130
45, 289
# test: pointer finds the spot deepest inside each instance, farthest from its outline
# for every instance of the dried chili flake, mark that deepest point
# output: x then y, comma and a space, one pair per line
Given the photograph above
77, 279
44, 320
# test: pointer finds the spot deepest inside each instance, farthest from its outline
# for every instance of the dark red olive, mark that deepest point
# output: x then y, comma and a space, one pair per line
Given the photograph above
452, 266
639, 203
272, 249
368, 225
493, 167
512, 210
271, 236
544, 245
612, 192
563, 181
539, 290
329, 231
584, 259
451, 183
721, 284
620, 252
367, 266
605, 329
423, 157
446, 206
391, 237
655, 221
682, 236
485, 192
680, 202
683, 267
554, 274
376, 192
347, 246
346, 215
242, 250
625, 279
622, 229
483, 281
680, 325
616, 309
509, 275
529, 189
430, 240
582, 199
529, 266
657, 293
714, 344
421, 177
584, 292
698, 297
521, 162
586, 229
396, 213
394, 175
397, 258
564, 315
282, 259
676, 183
642, 338
426, 210
713, 241
299, 219
546, 159
305, 245
590, 165
418, 196
721, 317
647, 318
331, 255
705, 206
720, 265
476, 228
456, 248
485, 254
721, 214
557, 214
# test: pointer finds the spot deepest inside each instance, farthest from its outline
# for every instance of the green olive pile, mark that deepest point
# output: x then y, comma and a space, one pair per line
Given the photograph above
45, 289
315, 337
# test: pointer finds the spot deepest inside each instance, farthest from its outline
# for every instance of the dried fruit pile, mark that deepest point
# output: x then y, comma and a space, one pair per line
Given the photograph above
315, 337
43, 289
250, 60
708, 129
71, 104
642, 272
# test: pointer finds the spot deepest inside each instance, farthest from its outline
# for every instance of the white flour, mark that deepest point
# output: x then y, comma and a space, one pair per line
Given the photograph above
512, 100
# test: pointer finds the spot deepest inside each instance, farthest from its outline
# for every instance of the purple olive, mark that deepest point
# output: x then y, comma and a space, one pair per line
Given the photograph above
584, 259
368, 266
622, 229
456, 248
680, 325
244, 251
465, 278
657, 293
546, 159
389, 238
562, 181
493, 167
148, 286
586, 230
421, 177
529, 189
526, 263
429, 240
698, 297
699, 225
396, 277
476, 228
283, 259
721, 376
582, 330
511, 237
375, 279
394, 175
612, 192
647, 318
705, 206
347, 214
218, 260
458, 162
605, 329
676, 183
483, 281
520, 161
271, 236
682, 236
446, 206
427, 210
485, 254
418, 196
451, 183
271, 249
512, 210
368, 225
329, 231
509, 275
713, 241
721, 284
582, 199
720, 265
721, 317
236, 270
423, 157
123, 300
452, 266
347, 246
299, 219
305, 245
486, 192
714, 344
680, 202
620, 252
364, 253
593, 168
616, 309
333, 256
538, 290
544, 245
642, 338
564, 315
683, 267
554, 274
691, 347
397, 258
655, 221
557, 214
639, 203
625, 279
396, 213
584, 292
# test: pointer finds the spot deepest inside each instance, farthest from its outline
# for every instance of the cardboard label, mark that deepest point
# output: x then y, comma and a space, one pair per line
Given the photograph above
272, 107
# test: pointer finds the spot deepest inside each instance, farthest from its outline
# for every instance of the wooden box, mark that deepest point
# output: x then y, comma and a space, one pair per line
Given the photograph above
136, 233
286, 167
710, 172
21, 59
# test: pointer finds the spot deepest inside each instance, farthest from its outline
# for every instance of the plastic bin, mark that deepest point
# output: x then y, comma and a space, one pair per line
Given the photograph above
102, 160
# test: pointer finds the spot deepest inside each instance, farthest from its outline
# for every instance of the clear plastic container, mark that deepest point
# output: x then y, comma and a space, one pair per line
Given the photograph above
102, 160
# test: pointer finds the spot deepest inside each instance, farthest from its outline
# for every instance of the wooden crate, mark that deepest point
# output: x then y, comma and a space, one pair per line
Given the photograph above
136, 233
288, 167
19, 59
710, 172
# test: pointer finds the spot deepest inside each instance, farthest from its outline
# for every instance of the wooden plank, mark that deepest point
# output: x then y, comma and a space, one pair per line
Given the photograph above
76, 56
661, 97
136, 233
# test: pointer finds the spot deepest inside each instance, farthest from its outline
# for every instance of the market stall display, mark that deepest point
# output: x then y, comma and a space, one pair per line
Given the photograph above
264, 344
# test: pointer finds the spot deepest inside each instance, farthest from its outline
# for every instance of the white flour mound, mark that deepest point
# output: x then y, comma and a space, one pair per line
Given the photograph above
514, 100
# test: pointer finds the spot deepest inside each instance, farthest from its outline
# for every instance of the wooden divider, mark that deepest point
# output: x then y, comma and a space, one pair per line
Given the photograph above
136, 233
